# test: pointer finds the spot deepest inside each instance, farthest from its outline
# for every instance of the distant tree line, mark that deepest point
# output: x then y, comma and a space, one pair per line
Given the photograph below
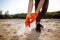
47, 15
50, 15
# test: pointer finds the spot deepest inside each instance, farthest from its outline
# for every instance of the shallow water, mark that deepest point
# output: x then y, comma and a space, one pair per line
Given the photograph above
9, 28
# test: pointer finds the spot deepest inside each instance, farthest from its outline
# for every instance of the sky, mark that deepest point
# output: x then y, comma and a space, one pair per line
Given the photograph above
21, 6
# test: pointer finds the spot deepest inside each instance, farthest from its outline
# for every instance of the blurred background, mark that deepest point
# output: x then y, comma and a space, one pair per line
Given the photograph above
18, 9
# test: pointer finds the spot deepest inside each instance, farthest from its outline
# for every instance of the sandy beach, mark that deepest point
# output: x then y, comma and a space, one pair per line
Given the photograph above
9, 28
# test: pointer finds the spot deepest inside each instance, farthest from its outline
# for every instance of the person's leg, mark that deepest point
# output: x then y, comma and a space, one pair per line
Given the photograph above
40, 15
28, 16
44, 9
34, 15
36, 5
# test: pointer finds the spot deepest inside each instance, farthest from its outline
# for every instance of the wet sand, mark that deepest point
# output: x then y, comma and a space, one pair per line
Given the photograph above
9, 28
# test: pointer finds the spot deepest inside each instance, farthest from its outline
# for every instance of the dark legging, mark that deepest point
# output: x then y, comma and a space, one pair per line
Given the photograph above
44, 9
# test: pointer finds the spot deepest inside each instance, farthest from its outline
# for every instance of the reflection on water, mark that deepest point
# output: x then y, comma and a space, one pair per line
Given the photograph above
9, 28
